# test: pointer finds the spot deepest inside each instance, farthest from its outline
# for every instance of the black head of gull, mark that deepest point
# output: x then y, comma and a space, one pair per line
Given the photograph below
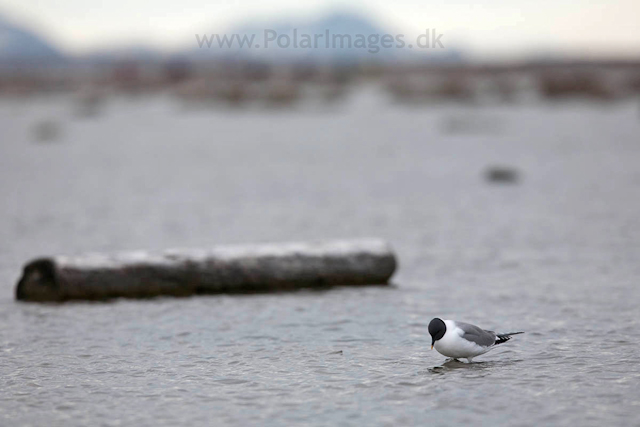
437, 329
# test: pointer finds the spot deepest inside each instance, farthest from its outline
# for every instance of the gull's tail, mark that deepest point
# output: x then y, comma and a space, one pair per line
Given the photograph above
502, 338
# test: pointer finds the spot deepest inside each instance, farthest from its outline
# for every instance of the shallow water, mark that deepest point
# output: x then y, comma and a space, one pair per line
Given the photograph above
557, 255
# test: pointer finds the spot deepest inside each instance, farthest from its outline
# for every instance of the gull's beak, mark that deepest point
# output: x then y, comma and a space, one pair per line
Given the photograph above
431, 346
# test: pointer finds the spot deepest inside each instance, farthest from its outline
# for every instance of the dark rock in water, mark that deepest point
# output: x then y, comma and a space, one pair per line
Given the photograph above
46, 131
232, 269
502, 175
89, 103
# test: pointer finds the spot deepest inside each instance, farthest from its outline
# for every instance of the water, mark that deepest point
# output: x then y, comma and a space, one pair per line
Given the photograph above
557, 256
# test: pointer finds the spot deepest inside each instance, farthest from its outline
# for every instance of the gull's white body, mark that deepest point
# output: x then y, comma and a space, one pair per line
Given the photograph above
453, 345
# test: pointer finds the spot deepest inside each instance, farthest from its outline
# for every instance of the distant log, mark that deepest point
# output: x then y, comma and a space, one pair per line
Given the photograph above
225, 269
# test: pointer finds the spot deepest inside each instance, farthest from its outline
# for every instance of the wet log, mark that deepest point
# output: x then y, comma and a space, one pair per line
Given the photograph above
224, 269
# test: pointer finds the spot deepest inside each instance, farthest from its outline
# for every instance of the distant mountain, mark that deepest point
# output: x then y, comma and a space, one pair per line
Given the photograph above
19, 44
336, 37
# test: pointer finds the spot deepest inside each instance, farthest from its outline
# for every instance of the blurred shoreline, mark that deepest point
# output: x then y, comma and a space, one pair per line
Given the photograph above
238, 83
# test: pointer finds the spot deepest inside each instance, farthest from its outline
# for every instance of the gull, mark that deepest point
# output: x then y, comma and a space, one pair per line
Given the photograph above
463, 340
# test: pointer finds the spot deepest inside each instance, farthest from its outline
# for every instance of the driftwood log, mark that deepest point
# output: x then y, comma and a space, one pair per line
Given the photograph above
224, 269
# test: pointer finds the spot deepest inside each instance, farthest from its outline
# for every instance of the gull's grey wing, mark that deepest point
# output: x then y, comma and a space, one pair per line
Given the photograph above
475, 334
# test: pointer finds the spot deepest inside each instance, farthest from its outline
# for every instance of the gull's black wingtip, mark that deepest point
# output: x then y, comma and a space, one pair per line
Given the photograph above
502, 338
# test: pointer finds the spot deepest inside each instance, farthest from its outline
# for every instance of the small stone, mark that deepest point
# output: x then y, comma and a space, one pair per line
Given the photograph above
502, 175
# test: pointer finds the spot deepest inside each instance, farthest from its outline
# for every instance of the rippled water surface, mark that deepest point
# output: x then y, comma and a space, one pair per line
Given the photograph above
557, 255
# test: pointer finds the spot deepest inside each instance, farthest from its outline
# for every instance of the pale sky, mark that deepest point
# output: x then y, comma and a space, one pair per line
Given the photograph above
489, 27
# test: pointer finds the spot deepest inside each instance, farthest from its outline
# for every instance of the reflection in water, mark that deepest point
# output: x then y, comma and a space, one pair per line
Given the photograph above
458, 365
